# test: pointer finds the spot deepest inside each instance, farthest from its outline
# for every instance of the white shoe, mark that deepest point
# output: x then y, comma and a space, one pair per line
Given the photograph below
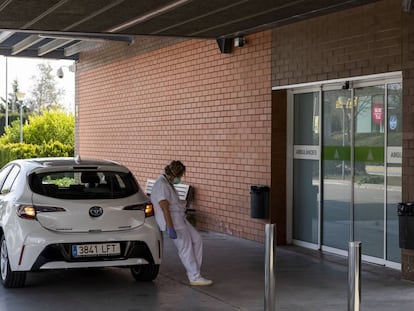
201, 282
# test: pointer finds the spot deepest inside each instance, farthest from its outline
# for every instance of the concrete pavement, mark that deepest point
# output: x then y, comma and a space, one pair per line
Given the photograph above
305, 280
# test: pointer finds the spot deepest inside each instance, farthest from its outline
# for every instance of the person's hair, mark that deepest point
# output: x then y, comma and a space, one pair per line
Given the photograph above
175, 169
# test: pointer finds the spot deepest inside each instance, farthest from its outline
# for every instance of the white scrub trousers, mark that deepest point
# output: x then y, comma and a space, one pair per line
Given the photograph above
190, 249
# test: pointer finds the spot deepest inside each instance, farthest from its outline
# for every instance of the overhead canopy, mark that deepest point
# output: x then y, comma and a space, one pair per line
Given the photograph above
62, 28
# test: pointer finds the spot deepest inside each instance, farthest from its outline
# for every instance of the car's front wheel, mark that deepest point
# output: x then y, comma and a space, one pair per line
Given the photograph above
10, 279
145, 272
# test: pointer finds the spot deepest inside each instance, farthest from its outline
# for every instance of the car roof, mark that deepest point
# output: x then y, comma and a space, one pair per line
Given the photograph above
69, 163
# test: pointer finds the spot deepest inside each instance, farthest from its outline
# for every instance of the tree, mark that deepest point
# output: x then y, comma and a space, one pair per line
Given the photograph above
51, 126
12, 103
45, 94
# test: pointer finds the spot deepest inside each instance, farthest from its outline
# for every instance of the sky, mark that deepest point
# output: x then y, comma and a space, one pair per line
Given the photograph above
23, 69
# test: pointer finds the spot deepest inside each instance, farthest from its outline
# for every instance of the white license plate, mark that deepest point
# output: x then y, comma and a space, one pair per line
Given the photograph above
91, 250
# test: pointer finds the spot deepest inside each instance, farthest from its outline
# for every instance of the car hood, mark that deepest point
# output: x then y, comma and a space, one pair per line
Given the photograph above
76, 216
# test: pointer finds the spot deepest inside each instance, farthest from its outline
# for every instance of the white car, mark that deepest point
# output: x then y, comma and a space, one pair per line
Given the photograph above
60, 213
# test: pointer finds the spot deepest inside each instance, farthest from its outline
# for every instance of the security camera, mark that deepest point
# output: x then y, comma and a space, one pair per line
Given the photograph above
59, 73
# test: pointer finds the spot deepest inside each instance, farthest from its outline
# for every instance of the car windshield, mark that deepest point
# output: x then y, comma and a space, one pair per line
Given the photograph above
80, 185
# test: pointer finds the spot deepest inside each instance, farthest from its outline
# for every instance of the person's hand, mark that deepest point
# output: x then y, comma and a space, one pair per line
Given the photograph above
172, 233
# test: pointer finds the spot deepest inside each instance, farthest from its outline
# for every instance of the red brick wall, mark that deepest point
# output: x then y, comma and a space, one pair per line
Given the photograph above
185, 101
161, 99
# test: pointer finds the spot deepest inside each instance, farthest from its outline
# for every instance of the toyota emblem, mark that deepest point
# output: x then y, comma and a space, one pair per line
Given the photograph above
95, 211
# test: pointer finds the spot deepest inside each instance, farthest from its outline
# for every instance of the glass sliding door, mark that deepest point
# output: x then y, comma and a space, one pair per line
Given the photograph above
369, 168
394, 162
306, 168
347, 167
336, 168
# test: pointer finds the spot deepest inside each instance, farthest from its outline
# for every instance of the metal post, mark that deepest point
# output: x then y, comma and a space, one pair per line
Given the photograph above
6, 97
354, 276
270, 301
21, 121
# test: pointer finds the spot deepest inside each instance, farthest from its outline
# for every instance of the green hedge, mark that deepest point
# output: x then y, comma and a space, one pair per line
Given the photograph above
9, 152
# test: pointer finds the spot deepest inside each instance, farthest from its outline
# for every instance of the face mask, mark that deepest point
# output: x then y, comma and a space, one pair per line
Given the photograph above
177, 180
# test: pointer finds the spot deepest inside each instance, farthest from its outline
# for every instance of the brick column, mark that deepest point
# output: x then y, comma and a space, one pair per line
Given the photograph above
407, 264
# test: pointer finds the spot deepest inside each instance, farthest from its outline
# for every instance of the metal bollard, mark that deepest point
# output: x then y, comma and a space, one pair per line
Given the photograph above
354, 276
270, 258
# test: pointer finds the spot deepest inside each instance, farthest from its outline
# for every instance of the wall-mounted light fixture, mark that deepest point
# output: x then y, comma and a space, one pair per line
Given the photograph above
224, 45
239, 42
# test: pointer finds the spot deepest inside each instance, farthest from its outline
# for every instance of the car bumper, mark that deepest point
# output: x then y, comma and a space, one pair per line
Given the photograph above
43, 249
96, 264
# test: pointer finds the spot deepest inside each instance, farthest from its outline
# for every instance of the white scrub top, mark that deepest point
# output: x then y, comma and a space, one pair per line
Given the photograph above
164, 190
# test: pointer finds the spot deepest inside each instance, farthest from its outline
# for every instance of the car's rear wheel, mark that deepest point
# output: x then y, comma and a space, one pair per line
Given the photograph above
145, 273
9, 279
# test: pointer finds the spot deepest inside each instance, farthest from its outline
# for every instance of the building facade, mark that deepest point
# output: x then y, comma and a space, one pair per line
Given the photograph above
319, 110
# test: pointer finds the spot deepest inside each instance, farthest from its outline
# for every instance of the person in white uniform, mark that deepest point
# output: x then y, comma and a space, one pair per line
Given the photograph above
170, 216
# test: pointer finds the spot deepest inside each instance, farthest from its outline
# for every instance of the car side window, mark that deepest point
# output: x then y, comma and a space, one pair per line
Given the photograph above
11, 177
3, 174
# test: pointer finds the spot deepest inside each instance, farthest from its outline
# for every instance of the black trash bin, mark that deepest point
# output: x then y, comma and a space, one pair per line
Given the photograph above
406, 225
259, 201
